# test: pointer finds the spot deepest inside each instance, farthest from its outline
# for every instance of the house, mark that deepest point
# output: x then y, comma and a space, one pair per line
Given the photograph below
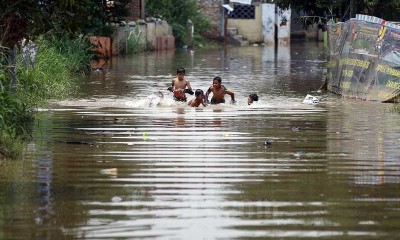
247, 21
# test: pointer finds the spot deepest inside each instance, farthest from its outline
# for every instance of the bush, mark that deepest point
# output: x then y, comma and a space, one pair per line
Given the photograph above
177, 13
58, 62
135, 42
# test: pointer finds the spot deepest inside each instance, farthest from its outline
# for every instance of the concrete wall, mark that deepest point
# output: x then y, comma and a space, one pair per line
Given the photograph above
268, 23
251, 29
154, 30
149, 32
283, 20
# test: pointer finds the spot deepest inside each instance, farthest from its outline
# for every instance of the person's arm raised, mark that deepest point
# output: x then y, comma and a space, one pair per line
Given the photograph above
229, 92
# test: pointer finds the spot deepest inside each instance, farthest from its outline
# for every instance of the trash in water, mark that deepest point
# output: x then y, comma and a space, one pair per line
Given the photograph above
296, 129
267, 142
116, 199
109, 171
310, 99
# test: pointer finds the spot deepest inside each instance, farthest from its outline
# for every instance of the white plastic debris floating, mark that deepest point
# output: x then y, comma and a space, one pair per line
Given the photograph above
310, 99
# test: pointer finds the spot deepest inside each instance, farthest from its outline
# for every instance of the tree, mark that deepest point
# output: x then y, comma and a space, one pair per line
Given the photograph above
320, 11
177, 13
385, 9
35, 17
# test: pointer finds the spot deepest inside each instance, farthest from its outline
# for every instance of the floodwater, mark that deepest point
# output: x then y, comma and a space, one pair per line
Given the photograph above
105, 165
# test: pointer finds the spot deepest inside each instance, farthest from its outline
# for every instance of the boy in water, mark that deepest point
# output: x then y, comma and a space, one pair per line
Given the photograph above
219, 92
178, 86
199, 94
252, 97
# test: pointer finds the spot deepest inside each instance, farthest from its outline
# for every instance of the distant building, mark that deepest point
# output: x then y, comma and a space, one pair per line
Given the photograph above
249, 21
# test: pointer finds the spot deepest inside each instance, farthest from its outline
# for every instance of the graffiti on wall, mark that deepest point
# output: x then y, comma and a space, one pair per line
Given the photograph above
283, 25
102, 48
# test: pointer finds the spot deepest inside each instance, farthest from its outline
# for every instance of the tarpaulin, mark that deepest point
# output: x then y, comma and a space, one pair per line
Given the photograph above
364, 59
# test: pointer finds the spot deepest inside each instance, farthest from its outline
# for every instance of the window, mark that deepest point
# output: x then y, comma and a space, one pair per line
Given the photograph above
243, 12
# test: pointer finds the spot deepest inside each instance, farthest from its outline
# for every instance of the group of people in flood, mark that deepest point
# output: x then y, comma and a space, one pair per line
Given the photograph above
180, 86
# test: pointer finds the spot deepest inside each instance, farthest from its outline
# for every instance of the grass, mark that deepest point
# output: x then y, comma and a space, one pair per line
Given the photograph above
134, 40
53, 76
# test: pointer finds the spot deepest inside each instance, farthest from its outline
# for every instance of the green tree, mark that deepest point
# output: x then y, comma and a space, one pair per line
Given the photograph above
22, 18
319, 11
385, 9
177, 13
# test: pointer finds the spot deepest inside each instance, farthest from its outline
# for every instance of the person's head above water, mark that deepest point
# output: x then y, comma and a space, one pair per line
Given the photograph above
181, 73
217, 82
219, 79
198, 100
180, 70
252, 97
198, 92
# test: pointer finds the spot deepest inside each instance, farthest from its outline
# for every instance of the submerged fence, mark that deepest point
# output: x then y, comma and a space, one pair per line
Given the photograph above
364, 59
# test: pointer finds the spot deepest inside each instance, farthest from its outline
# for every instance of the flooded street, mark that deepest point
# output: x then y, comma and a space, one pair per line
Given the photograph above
103, 164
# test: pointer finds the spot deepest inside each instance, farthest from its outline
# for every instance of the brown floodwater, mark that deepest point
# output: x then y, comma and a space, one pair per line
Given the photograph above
104, 165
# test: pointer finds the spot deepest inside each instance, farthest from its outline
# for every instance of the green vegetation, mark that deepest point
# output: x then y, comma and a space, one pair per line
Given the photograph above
321, 11
385, 9
59, 29
67, 17
15, 116
177, 13
135, 43
57, 64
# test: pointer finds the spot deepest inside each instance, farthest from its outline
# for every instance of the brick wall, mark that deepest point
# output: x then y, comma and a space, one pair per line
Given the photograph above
135, 10
212, 10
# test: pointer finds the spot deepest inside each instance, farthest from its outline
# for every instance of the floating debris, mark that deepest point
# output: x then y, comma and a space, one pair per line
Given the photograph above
310, 99
109, 171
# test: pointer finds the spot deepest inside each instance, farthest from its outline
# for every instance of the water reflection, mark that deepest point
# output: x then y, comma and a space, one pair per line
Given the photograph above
105, 165
45, 172
179, 121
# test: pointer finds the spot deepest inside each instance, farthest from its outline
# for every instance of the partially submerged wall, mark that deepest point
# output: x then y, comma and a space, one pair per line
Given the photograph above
364, 59
148, 33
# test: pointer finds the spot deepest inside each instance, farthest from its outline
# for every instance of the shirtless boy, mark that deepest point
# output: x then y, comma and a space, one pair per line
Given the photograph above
179, 84
219, 92
199, 94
